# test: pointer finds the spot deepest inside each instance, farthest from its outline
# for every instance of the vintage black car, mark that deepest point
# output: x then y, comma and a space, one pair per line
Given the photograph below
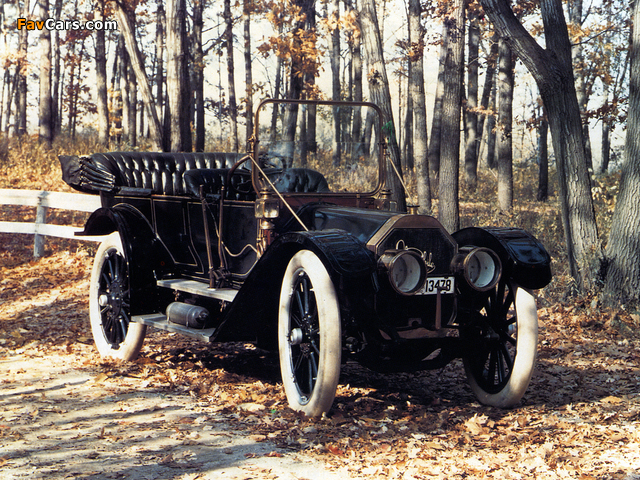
296, 245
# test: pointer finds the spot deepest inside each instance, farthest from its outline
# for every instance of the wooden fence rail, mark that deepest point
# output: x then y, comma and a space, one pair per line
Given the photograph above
43, 201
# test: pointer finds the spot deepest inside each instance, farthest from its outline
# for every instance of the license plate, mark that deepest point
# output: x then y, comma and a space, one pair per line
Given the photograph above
433, 284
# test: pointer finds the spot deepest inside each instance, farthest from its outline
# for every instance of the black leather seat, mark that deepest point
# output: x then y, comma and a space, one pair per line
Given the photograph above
293, 180
160, 172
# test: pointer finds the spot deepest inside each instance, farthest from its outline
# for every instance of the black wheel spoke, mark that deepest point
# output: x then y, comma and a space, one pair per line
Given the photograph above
312, 367
114, 289
502, 373
304, 316
299, 302
506, 354
493, 340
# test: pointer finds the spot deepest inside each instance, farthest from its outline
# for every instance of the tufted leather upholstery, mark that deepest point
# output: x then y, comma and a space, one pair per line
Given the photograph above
160, 172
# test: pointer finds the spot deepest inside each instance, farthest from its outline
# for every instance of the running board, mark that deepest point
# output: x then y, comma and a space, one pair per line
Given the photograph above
157, 320
199, 288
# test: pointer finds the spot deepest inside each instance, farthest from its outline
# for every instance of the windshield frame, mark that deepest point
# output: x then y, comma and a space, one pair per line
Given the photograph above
262, 186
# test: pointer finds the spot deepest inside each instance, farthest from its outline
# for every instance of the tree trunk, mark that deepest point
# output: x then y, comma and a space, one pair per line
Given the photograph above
123, 66
380, 94
407, 129
248, 70
356, 65
606, 146
233, 108
490, 129
57, 75
448, 190
416, 92
487, 89
198, 70
575, 17
543, 159
5, 97
436, 121
177, 78
333, 17
505, 127
622, 284
552, 70
45, 77
133, 106
102, 99
12, 99
21, 99
125, 22
162, 102
471, 117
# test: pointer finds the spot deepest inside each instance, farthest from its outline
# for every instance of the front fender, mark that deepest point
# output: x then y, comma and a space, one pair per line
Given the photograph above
144, 252
523, 257
254, 313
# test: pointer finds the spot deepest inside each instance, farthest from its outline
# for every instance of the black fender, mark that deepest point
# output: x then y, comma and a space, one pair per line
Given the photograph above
523, 257
254, 312
144, 252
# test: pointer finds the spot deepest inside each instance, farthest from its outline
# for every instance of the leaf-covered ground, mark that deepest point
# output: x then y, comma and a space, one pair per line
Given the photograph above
189, 410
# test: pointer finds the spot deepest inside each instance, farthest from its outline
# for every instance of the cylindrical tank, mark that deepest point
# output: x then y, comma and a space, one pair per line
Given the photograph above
188, 315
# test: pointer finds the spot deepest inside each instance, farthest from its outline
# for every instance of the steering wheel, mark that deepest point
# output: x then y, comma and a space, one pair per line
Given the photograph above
244, 187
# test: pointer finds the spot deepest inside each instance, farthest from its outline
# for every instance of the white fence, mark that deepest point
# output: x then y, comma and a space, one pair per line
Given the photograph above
43, 201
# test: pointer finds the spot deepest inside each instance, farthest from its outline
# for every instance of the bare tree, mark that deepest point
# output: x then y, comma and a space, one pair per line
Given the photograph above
623, 250
448, 190
552, 69
543, 158
21, 72
505, 127
56, 74
161, 20
102, 99
471, 113
135, 57
233, 104
416, 92
198, 73
178, 90
45, 77
436, 121
487, 92
246, 12
379, 91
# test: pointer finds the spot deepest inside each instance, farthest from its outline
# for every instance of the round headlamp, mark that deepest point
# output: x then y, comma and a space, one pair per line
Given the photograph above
481, 268
406, 269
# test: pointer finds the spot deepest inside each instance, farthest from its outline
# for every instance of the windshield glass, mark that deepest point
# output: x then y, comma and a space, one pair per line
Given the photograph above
339, 141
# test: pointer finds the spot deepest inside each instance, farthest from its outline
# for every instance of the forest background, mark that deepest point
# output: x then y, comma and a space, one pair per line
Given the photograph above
474, 88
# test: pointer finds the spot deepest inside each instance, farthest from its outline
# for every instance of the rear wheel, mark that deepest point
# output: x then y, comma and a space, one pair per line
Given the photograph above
309, 335
109, 303
502, 344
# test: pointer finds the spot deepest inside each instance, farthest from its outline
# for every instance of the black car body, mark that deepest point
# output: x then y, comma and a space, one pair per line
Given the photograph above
296, 246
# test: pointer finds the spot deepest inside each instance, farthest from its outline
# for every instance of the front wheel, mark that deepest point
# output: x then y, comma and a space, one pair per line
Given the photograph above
113, 332
309, 335
502, 344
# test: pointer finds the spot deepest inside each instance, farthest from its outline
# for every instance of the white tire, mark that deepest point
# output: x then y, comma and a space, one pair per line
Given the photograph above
309, 335
503, 346
109, 303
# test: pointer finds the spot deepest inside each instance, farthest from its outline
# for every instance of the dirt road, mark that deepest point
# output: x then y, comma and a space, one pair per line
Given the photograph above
186, 410
62, 419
